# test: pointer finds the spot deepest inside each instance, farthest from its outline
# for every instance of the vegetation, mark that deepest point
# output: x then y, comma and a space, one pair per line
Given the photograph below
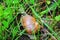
46, 13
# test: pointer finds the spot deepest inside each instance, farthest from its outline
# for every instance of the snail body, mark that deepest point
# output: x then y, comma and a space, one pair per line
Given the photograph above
30, 24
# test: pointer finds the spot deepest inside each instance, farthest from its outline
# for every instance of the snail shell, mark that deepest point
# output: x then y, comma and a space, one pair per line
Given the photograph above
30, 24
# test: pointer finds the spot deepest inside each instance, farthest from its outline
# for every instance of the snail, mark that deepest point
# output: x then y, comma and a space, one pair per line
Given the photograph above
29, 23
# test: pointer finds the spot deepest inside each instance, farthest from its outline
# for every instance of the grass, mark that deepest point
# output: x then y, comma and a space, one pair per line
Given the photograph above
10, 22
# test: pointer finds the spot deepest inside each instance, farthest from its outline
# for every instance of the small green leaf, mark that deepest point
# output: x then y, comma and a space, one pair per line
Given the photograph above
32, 1
16, 1
9, 18
5, 25
57, 18
7, 11
1, 10
48, 2
26, 1
9, 2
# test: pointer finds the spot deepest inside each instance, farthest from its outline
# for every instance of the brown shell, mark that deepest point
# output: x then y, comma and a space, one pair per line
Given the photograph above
30, 24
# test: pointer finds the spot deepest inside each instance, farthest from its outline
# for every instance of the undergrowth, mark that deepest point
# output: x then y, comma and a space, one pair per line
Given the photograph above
46, 12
